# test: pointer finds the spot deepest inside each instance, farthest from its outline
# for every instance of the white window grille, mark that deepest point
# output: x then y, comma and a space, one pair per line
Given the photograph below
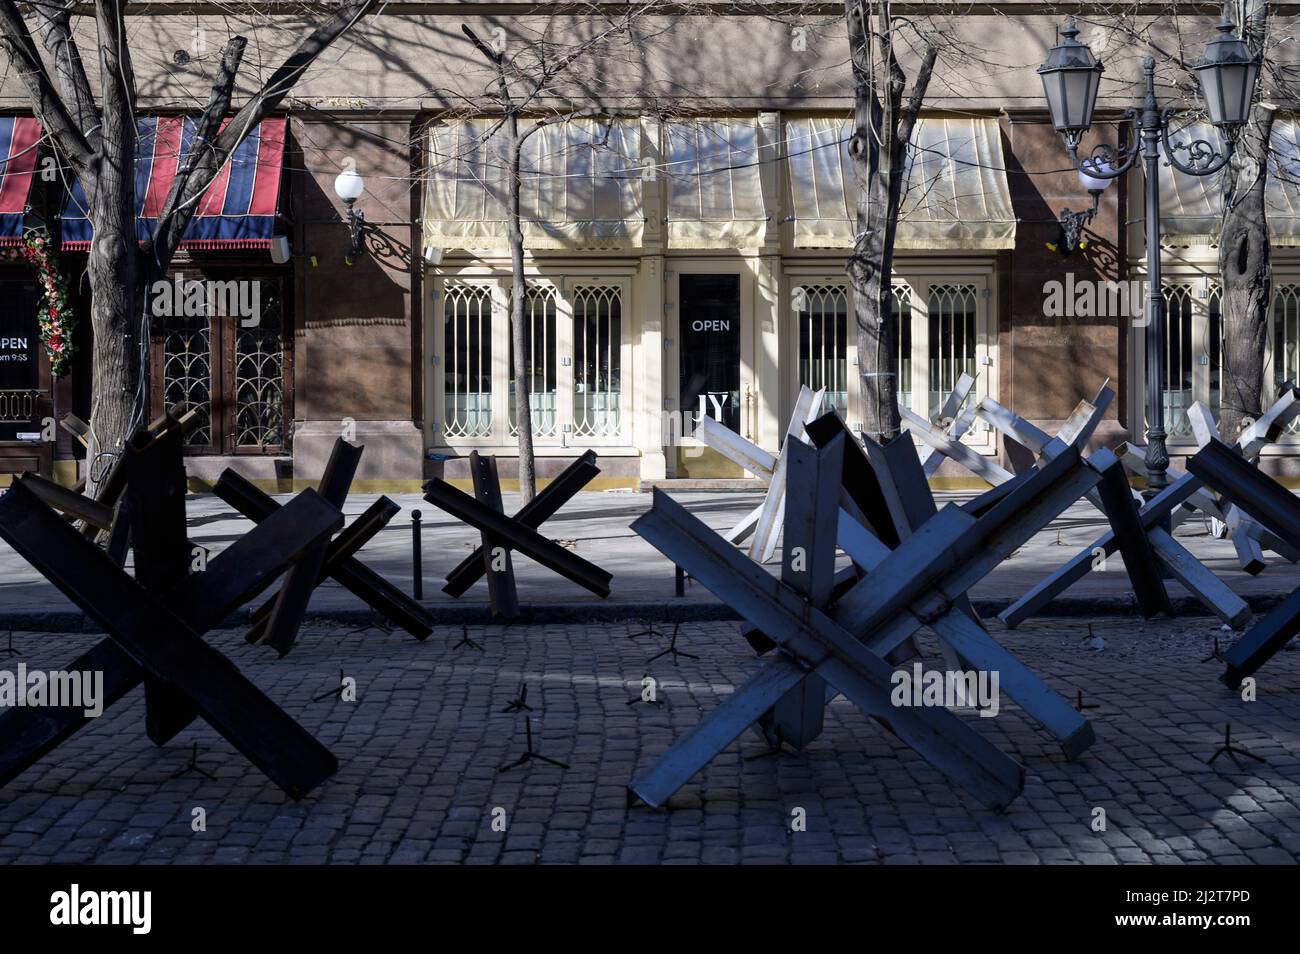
823, 318
597, 360
953, 338
467, 374
539, 331
578, 356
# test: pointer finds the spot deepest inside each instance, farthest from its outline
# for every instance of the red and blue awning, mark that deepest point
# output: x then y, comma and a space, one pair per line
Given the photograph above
19, 138
237, 210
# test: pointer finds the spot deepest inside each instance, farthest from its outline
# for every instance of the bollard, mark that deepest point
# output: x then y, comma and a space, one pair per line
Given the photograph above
679, 580
417, 559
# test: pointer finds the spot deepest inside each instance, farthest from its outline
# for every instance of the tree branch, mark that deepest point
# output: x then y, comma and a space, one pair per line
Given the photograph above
265, 101
175, 216
496, 59
56, 33
117, 111
46, 103
920, 85
208, 162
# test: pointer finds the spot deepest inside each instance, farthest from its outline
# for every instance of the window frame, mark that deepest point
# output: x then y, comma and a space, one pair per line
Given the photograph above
1198, 265
500, 439
223, 394
920, 276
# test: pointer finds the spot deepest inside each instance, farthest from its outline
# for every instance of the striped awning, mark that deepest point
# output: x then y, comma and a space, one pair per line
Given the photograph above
1191, 207
237, 210
957, 195
19, 136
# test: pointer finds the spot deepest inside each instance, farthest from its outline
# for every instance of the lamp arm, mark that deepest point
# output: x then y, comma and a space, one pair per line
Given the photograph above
1119, 161
1204, 159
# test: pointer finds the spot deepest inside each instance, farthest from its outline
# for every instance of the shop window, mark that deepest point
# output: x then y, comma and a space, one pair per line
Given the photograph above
1286, 340
221, 347
900, 304
823, 320
952, 339
467, 331
941, 330
577, 354
539, 334
1193, 345
597, 361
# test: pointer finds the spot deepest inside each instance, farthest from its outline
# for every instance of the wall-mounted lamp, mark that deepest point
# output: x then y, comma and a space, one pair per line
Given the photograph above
1072, 224
349, 186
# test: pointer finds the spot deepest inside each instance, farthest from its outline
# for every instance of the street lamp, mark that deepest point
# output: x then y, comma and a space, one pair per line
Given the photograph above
1073, 223
1227, 74
349, 186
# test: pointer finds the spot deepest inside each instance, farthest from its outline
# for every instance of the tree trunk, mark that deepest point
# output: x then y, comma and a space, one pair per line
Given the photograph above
518, 328
878, 148
868, 269
119, 373
1245, 258
1245, 264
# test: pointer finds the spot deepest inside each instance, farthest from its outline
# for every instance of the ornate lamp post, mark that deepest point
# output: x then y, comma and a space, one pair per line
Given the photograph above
1227, 74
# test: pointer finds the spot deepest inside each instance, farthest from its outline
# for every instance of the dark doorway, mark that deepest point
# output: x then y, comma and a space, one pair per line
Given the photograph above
709, 327
24, 381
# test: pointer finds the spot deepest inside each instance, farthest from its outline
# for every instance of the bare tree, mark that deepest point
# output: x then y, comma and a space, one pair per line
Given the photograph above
532, 73
1245, 257
97, 141
883, 125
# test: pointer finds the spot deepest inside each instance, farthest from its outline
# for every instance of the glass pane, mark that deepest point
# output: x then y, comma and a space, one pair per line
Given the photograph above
539, 332
1286, 341
900, 310
1214, 342
1179, 316
597, 361
20, 348
259, 373
953, 339
822, 315
467, 377
187, 370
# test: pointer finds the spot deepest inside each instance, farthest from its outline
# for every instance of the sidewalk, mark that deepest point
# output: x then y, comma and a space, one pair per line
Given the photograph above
596, 526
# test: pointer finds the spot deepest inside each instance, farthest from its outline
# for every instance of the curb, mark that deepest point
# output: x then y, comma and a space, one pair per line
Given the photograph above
693, 611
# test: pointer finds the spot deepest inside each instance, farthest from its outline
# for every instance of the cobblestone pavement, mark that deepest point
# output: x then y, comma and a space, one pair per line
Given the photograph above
419, 754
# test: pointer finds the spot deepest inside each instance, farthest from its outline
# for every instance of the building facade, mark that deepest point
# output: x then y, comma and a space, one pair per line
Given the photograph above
685, 236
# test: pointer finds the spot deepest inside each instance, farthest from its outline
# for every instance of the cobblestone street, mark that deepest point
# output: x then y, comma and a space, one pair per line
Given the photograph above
420, 752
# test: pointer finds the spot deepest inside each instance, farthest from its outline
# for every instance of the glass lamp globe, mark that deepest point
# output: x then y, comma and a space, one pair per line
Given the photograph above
349, 186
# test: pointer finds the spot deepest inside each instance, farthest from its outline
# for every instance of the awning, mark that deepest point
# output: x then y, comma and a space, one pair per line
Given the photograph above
956, 197
237, 210
1191, 207
19, 136
715, 193
580, 185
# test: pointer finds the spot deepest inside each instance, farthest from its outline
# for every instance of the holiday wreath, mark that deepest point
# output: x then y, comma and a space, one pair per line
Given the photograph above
55, 311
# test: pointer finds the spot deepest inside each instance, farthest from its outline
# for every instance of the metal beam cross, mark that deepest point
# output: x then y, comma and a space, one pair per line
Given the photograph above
500, 535
277, 620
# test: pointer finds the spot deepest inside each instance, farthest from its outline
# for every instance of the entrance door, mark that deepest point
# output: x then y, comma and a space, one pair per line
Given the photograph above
710, 338
710, 335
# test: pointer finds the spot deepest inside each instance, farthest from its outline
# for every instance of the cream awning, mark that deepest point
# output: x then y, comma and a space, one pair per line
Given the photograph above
1191, 207
580, 188
715, 193
957, 195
